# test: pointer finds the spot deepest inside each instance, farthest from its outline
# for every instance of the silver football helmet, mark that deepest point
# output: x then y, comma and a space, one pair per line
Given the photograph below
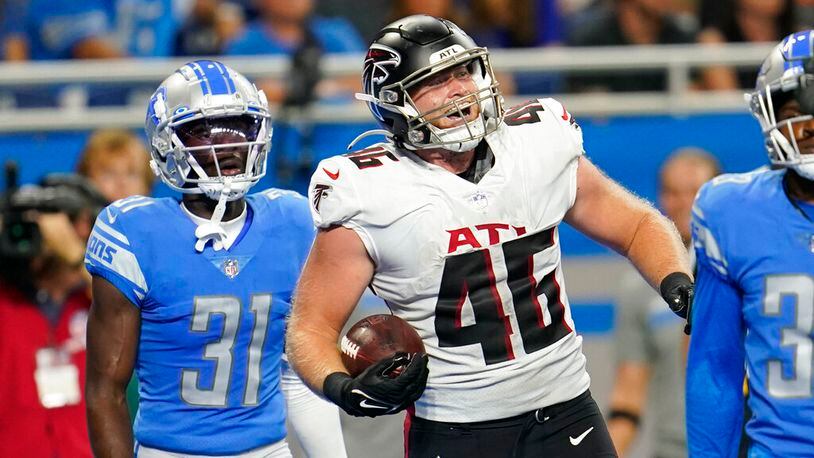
184, 117
788, 72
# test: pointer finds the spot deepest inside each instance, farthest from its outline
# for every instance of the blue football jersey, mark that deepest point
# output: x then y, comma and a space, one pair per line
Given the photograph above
753, 315
212, 323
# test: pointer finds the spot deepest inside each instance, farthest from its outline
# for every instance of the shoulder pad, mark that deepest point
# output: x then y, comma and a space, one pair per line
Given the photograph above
374, 156
276, 193
546, 111
114, 215
332, 194
718, 194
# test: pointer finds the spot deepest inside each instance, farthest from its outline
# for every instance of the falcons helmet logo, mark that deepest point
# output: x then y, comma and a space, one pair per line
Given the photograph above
379, 61
320, 191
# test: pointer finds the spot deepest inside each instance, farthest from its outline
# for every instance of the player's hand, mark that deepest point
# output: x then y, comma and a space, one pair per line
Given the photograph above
677, 289
374, 392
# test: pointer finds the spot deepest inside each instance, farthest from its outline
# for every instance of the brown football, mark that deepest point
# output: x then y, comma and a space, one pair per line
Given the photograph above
377, 337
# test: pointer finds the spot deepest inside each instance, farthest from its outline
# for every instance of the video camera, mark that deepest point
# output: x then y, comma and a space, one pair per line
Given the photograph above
20, 236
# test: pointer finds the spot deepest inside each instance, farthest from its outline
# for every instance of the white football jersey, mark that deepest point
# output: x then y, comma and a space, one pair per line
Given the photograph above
473, 267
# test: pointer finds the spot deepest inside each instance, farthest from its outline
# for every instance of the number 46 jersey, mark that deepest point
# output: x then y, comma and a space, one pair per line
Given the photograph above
212, 323
473, 267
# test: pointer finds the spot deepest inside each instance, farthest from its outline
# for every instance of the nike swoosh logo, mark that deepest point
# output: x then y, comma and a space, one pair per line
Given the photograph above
364, 403
576, 440
565, 115
111, 218
331, 175
370, 406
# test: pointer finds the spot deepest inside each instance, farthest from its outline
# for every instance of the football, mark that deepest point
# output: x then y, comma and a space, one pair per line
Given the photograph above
376, 337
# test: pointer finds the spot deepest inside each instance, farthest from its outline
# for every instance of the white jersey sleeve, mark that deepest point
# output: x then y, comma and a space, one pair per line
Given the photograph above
340, 195
566, 121
334, 201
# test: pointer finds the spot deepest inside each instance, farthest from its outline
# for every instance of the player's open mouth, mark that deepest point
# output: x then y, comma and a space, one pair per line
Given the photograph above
230, 172
454, 118
231, 166
456, 115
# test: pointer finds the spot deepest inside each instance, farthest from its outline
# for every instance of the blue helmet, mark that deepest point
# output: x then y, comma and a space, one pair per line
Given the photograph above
787, 73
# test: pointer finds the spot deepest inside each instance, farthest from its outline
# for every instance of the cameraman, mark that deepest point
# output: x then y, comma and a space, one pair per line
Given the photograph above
43, 310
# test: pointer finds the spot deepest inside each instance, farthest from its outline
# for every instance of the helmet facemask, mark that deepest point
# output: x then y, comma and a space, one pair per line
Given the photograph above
232, 148
179, 163
765, 104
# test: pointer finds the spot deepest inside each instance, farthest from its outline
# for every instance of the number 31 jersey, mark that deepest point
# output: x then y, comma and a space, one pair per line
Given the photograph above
212, 323
473, 267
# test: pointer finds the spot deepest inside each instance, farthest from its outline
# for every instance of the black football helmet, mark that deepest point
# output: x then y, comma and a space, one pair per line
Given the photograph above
407, 52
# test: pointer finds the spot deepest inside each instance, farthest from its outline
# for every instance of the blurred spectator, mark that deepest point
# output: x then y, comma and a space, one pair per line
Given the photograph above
628, 22
803, 14
650, 342
90, 29
288, 27
117, 163
43, 311
144, 28
446, 9
367, 16
57, 29
571, 7
492, 23
208, 27
741, 21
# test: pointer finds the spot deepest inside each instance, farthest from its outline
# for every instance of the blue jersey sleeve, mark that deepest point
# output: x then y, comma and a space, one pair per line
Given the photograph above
715, 363
111, 255
715, 368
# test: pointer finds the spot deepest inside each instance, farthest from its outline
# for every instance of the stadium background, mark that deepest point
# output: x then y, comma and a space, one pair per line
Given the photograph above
627, 135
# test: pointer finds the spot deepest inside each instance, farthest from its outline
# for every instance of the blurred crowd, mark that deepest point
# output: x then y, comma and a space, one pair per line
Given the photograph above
306, 29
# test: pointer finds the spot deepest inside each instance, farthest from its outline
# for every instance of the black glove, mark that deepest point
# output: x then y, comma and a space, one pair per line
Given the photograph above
677, 289
376, 391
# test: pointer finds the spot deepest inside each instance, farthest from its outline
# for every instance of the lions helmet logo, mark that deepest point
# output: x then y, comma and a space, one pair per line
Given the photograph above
379, 61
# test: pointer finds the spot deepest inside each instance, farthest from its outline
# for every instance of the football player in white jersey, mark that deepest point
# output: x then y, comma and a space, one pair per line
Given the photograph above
453, 222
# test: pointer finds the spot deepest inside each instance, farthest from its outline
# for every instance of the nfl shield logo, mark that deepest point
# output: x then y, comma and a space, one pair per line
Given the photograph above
230, 268
479, 200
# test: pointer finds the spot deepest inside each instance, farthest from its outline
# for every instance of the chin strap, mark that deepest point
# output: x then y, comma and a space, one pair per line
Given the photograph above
213, 230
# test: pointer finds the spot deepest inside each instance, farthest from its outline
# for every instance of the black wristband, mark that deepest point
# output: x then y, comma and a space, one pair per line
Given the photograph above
334, 385
624, 415
671, 281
